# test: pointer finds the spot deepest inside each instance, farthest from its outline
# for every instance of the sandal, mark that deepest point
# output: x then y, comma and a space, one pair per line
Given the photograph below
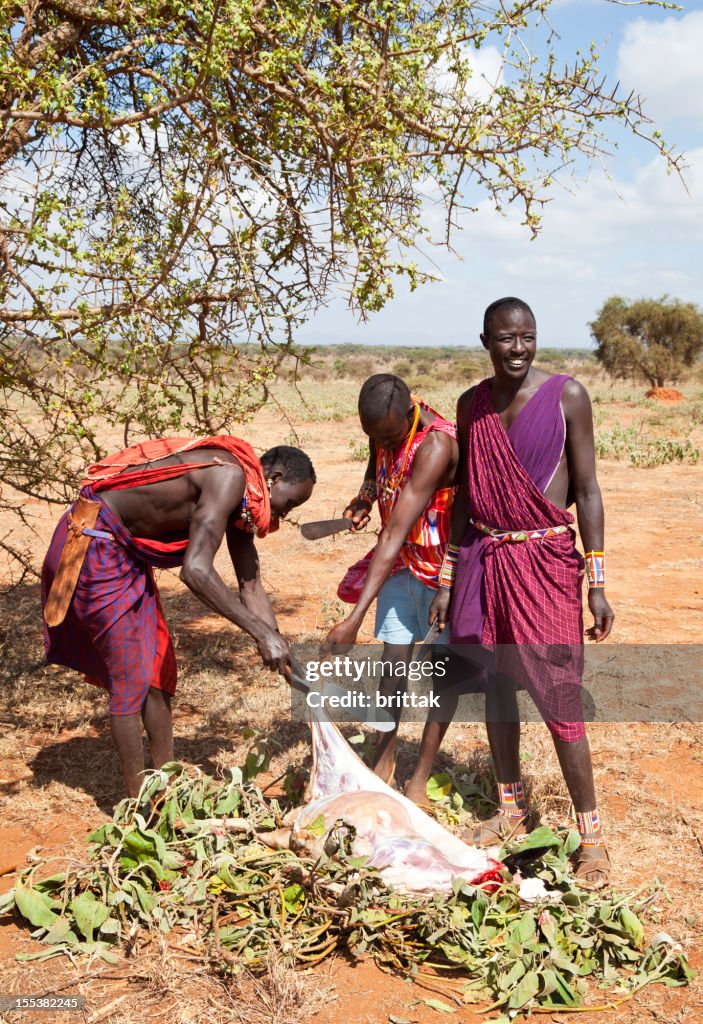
592, 860
498, 830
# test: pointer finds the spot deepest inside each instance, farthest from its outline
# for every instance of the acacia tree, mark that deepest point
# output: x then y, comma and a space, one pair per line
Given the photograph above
654, 339
184, 183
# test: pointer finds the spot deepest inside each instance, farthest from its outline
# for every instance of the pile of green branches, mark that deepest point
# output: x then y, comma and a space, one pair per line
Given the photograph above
186, 856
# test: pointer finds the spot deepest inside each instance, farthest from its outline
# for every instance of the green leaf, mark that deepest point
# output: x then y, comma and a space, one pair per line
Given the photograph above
43, 955
140, 843
59, 932
110, 928
572, 842
526, 928
294, 898
438, 787
540, 839
7, 902
88, 913
527, 989
633, 926
227, 803
510, 980
50, 884
438, 1005
32, 906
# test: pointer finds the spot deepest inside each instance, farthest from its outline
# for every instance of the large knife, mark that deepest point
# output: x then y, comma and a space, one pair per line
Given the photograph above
325, 528
432, 634
374, 718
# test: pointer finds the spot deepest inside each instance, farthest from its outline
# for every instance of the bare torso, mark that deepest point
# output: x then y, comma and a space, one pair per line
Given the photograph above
164, 510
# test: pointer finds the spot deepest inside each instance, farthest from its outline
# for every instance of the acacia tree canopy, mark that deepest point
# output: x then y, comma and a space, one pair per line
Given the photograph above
184, 183
654, 339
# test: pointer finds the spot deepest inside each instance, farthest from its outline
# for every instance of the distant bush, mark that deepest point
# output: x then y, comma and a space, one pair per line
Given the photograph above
402, 369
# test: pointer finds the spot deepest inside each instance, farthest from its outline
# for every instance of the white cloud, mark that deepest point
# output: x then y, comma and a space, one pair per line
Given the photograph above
661, 60
487, 66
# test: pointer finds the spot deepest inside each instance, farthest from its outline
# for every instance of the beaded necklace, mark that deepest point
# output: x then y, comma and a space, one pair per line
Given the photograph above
393, 477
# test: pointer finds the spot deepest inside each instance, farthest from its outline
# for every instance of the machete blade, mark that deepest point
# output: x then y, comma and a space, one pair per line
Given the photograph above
325, 528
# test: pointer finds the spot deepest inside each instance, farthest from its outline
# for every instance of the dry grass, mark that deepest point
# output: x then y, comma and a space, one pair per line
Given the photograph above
168, 983
280, 996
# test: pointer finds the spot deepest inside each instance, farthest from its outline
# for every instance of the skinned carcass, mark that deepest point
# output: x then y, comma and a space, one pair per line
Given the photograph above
411, 851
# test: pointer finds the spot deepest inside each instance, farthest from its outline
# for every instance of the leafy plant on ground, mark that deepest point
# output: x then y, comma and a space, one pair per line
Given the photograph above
359, 451
186, 854
644, 450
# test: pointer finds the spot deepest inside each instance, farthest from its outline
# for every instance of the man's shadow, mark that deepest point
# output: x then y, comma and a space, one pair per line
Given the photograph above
90, 764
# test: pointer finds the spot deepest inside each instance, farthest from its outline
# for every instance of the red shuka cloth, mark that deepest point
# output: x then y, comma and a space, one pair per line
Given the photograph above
112, 473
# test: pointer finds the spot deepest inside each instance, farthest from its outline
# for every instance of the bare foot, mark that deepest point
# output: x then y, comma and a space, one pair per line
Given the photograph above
416, 790
592, 867
385, 767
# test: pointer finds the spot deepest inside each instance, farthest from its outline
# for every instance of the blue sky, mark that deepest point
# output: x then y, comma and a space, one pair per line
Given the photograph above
633, 231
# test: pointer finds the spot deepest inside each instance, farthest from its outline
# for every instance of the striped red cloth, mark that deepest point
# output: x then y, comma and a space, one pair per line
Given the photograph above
423, 550
114, 630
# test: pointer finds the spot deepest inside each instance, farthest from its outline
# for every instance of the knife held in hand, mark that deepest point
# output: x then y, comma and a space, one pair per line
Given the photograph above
325, 528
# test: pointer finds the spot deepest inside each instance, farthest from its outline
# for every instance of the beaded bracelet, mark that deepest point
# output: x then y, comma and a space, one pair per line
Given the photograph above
447, 573
595, 569
368, 492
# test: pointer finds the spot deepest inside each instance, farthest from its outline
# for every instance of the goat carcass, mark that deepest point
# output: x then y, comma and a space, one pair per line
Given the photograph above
411, 851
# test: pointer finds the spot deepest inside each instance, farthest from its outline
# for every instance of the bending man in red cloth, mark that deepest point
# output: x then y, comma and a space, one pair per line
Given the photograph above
526, 446
162, 503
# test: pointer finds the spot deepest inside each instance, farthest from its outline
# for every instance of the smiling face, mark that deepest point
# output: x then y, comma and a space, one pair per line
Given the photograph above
511, 341
391, 430
287, 494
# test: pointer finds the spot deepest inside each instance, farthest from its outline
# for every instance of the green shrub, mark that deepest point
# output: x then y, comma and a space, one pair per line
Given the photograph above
644, 450
359, 451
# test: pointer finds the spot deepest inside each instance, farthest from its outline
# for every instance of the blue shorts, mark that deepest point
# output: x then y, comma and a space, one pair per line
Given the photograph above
402, 610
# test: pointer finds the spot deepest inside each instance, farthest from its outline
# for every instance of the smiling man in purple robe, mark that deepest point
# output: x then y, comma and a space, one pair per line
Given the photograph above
513, 577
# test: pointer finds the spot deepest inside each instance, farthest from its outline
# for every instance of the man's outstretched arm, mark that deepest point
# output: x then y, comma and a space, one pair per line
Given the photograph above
581, 458
222, 490
245, 561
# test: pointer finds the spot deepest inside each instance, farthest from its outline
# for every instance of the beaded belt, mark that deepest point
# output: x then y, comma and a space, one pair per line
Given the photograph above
513, 536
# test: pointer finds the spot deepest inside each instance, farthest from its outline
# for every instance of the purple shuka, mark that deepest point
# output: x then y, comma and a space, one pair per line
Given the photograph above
523, 598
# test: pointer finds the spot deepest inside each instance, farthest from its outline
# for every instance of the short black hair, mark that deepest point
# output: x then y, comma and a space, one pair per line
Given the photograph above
382, 394
508, 302
293, 463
